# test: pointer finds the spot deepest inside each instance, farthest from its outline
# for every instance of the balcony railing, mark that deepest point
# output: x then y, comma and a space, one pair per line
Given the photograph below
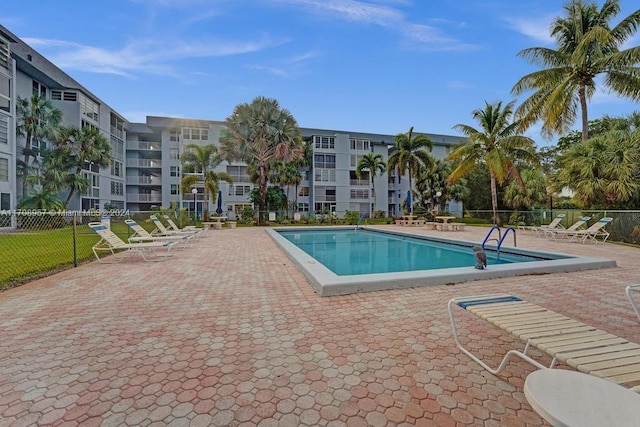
359, 182
144, 145
144, 180
325, 199
144, 163
144, 197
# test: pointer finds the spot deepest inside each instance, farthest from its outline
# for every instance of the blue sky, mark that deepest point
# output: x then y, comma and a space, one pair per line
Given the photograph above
377, 66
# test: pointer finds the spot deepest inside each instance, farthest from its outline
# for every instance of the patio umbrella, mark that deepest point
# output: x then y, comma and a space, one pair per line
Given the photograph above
219, 209
409, 201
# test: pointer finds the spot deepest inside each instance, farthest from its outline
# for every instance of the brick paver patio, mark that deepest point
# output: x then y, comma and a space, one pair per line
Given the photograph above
228, 332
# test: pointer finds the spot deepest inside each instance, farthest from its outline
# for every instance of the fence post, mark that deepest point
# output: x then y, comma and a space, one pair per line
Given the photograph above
75, 241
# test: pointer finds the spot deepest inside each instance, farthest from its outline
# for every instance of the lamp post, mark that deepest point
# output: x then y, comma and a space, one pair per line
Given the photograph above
438, 194
194, 191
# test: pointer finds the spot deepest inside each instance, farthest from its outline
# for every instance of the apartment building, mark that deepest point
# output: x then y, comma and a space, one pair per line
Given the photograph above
145, 169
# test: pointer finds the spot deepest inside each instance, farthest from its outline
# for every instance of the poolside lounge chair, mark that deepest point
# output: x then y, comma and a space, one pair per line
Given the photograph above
161, 230
110, 242
142, 235
553, 225
188, 228
578, 225
580, 346
592, 233
630, 290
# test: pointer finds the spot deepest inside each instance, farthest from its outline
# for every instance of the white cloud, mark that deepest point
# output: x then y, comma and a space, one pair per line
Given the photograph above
140, 56
458, 85
536, 28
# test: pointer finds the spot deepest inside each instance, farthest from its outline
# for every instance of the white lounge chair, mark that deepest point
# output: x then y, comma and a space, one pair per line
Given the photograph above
110, 242
592, 233
630, 290
566, 340
553, 225
578, 225
161, 230
142, 235
187, 229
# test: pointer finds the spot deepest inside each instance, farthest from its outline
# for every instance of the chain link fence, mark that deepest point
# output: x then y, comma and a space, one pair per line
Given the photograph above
38, 243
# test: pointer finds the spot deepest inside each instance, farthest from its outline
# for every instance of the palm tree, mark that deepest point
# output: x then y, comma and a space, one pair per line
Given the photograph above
497, 145
432, 181
410, 155
36, 119
44, 199
373, 164
603, 171
196, 160
533, 193
82, 147
260, 134
288, 174
586, 48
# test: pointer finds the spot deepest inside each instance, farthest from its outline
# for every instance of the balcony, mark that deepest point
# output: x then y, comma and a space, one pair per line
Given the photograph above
144, 145
144, 197
144, 180
143, 163
359, 182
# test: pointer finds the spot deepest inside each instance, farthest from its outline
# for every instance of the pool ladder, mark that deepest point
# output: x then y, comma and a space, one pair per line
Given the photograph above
359, 221
500, 238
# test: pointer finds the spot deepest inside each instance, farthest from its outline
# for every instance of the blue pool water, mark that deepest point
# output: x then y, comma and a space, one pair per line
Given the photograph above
353, 252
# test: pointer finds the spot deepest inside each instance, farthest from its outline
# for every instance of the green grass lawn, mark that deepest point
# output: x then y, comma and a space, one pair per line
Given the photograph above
25, 254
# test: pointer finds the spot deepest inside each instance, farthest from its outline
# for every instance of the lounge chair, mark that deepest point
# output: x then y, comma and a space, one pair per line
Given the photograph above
161, 230
592, 233
110, 242
566, 340
553, 225
578, 225
142, 235
630, 290
187, 229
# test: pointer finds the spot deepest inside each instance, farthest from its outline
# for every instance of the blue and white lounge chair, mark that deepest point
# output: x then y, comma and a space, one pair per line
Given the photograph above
110, 242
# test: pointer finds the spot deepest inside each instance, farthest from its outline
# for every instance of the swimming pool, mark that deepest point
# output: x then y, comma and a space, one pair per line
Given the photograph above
374, 260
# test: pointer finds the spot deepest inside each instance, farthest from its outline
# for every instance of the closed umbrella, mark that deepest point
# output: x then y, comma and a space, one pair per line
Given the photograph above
219, 209
409, 201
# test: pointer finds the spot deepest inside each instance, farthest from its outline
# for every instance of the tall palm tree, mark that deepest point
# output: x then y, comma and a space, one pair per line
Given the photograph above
36, 119
198, 159
260, 134
373, 164
410, 155
288, 174
586, 47
496, 144
533, 193
82, 146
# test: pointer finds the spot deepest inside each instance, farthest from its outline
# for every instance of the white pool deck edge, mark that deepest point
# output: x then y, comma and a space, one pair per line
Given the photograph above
327, 283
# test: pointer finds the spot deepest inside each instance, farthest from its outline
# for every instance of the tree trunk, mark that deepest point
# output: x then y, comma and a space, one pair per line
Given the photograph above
494, 198
25, 172
583, 106
373, 196
263, 193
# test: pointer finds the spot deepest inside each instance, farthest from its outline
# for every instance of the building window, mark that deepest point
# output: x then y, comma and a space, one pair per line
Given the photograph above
5, 54
90, 166
355, 159
174, 135
4, 169
39, 89
304, 192
117, 148
324, 142
359, 193
89, 108
360, 144
5, 93
195, 134
327, 161
4, 129
94, 184
116, 168
174, 154
59, 95
174, 171
117, 188
5, 201
239, 190
303, 207
238, 173
325, 175
174, 189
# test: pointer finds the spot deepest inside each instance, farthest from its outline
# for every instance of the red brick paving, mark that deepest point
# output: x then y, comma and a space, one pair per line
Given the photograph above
229, 333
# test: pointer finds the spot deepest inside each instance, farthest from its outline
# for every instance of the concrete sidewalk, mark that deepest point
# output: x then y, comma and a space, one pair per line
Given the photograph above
228, 332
